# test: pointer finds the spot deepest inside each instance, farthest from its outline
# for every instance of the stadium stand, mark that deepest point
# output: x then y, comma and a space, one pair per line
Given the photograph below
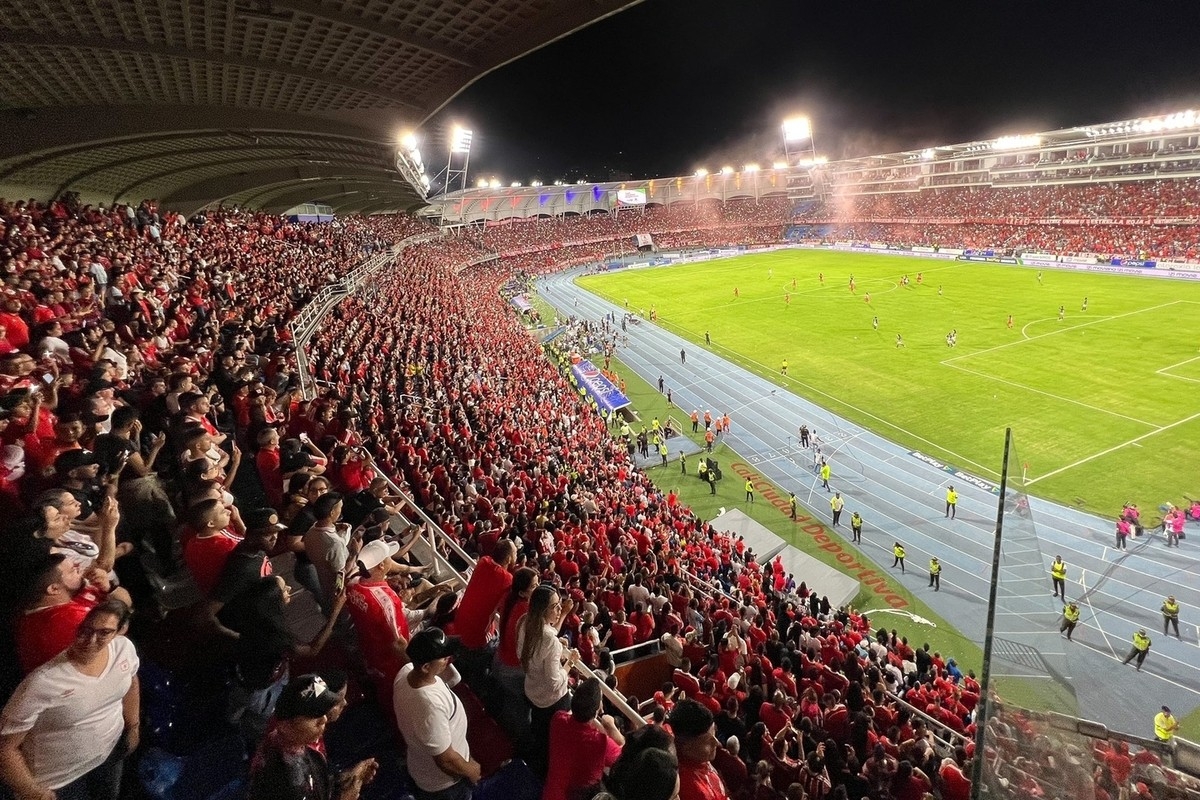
143, 354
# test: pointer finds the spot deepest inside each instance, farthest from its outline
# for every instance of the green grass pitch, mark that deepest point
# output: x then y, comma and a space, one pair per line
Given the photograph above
1104, 404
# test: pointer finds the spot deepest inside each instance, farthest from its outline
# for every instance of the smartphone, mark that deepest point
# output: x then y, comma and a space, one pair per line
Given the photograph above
48, 377
339, 583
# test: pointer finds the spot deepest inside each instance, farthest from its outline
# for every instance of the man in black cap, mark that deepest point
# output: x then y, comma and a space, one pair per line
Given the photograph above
288, 764
248, 562
433, 721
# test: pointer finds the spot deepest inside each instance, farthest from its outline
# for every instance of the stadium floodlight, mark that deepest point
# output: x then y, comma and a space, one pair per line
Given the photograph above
558, 183
1016, 142
408, 141
494, 183
700, 173
726, 170
482, 183
515, 184
460, 140
796, 128
927, 154
750, 168
779, 165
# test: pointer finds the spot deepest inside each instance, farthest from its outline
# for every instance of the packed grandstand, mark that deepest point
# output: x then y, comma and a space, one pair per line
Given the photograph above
148, 358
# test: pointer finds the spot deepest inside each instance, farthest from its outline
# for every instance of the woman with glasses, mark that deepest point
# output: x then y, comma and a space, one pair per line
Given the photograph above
547, 663
68, 727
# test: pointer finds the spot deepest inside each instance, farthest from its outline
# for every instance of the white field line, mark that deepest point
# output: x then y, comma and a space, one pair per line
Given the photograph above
1094, 456
1051, 395
1097, 321
1166, 371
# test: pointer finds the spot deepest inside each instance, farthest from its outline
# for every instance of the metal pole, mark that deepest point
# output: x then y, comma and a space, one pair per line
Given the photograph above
983, 708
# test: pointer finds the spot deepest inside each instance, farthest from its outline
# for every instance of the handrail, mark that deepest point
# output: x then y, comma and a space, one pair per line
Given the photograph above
959, 738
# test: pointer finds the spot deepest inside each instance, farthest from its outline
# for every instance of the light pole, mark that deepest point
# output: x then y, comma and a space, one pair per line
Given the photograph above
701, 174
725, 173
753, 170
460, 145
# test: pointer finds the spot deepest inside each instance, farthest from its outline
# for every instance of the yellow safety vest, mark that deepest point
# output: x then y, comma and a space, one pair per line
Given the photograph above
935, 567
1059, 570
749, 486
1164, 726
1170, 610
951, 496
1140, 642
1071, 613
837, 504
898, 551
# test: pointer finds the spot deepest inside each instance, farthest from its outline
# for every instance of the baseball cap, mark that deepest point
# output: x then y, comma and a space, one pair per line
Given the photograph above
1167, 710
260, 518
375, 553
430, 645
305, 696
73, 459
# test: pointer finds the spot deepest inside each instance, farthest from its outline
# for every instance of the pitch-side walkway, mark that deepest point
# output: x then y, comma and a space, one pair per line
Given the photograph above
902, 498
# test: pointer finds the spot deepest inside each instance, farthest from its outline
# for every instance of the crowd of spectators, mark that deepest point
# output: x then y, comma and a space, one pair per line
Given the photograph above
144, 354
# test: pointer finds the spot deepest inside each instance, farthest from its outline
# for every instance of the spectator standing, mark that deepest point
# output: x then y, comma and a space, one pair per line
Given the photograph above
329, 546
475, 620
62, 729
547, 664
433, 721
289, 762
60, 599
696, 746
582, 745
379, 617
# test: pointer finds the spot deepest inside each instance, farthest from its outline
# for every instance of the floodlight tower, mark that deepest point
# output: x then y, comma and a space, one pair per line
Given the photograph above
458, 159
797, 130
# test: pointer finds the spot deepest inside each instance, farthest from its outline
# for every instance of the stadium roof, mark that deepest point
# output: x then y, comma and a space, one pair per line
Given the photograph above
266, 103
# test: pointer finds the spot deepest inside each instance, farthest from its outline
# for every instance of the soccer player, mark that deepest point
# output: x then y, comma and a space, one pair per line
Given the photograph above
1039, 277
939, 290
783, 367
770, 273
821, 277
787, 298
875, 322
867, 297
1084, 307
1062, 312
852, 284
793, 283
920, 277
1010, 321
899, 340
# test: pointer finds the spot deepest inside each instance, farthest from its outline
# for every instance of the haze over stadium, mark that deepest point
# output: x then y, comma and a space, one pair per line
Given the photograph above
755, 376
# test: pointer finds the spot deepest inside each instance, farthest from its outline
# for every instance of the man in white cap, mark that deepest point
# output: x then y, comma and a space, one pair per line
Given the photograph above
378, 616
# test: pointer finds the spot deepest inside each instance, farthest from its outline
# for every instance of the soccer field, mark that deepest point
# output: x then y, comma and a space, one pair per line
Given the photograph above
1103, 403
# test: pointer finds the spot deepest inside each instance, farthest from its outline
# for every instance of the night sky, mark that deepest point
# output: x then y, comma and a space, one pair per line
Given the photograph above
672, 85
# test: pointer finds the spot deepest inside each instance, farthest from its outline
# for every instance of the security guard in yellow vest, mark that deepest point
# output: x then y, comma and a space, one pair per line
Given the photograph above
1141, 646
1170, 612
1165, 725
792, 503
749, 491
898, 556
951, 502
1058, 577
1070, 619
935, 574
